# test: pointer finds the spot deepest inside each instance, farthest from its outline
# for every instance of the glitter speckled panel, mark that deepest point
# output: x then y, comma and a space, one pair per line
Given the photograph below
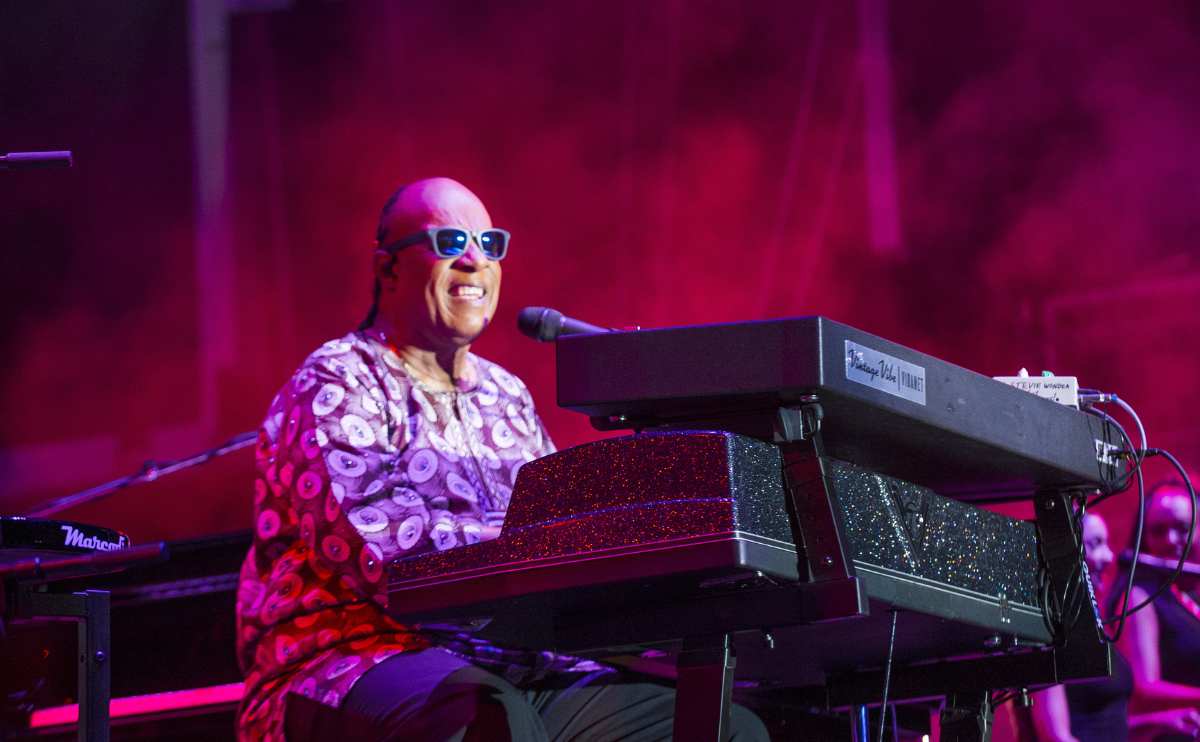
658, 487
901, 526
634, 490
756, 473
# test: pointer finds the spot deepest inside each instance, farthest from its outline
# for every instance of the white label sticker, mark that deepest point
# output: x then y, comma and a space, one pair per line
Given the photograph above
885, 373
1061, 389
1107, 453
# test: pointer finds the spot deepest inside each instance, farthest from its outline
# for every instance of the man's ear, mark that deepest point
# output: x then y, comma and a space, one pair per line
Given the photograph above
385, 265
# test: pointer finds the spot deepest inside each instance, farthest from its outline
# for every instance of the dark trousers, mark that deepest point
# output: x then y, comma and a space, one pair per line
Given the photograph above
433, 696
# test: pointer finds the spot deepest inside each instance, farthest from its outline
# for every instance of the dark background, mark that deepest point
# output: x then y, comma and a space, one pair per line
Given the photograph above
1001, 184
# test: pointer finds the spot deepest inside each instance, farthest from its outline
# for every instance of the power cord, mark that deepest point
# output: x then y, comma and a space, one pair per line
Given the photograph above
1166, 584
1135, 456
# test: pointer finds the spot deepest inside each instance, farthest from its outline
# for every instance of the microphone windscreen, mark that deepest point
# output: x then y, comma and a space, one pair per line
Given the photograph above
540, 323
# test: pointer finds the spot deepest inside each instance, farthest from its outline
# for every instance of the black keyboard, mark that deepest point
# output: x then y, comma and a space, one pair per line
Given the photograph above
631, 543
796, 485
886, 407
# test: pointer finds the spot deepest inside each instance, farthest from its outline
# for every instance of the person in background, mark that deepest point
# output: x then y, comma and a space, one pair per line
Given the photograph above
1096, 710
1099, 711
1162, 642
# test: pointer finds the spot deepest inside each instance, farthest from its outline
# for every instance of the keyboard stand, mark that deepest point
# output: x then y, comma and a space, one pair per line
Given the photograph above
703, 687
90, 609
23, 594
698, 594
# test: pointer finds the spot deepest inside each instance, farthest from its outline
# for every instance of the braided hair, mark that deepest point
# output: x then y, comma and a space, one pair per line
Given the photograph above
380, 236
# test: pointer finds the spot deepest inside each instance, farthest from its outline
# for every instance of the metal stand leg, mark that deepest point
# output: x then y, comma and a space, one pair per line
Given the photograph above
95, 672
1080, 650
702, 692
860, 729
967, 717
91, 609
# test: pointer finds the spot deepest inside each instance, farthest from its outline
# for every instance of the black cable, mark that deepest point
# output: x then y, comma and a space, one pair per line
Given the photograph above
1137, 548
1187, 545
1133, 473
1076, 588
1122, 483
1045, 594
887, 676
1136, 456
1056, 605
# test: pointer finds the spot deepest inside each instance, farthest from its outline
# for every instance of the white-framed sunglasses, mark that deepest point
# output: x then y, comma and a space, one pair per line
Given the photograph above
451, 242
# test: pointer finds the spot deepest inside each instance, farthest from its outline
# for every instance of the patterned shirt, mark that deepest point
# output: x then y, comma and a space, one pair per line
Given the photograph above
358, 465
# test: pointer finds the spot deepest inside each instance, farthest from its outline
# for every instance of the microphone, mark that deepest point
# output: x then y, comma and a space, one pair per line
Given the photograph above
545, 325
31, 160
1158, 564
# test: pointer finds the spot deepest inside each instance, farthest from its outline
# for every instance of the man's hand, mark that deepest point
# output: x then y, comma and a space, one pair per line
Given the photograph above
1186, 721
1181, 721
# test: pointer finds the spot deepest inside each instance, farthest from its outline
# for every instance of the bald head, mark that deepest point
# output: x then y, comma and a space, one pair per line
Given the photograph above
424, 300
427, 203
1168, 518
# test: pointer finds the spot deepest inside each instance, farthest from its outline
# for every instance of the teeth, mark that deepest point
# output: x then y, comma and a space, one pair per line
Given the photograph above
471, 292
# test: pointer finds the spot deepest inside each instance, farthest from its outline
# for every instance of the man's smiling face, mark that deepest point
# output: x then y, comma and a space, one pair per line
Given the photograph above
446, 301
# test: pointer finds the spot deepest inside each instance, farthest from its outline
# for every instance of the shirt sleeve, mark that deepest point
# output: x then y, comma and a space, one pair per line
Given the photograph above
545, 445
341, 435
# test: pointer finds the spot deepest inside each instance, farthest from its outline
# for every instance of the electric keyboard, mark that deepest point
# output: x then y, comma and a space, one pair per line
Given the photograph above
795, 488
888, 408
